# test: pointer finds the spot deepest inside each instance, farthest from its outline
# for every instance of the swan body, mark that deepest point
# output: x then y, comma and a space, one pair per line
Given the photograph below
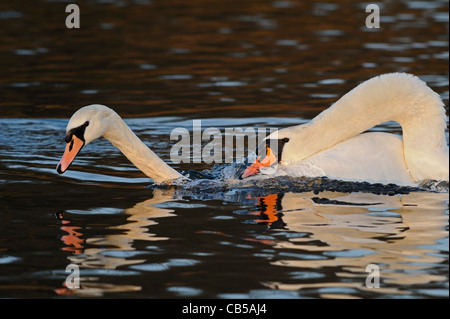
333, 143
385, 164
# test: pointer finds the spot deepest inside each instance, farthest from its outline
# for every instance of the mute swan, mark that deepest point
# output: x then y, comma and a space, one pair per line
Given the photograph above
333, 143
93, 121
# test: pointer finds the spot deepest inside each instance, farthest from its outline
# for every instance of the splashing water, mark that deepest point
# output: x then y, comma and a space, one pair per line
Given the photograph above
226, 177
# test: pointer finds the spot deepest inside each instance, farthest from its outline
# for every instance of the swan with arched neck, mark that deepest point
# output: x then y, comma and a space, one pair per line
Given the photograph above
334, 144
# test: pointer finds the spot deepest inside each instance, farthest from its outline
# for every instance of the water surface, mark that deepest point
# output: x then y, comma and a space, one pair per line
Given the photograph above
161, 64
285, 239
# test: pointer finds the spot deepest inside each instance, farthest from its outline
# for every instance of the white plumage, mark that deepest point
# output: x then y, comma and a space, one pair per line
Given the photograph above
334, 144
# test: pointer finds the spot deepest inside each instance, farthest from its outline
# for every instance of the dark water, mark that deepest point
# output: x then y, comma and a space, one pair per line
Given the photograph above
232, 64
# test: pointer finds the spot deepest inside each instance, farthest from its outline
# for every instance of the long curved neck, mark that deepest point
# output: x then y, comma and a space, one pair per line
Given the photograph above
122, 137
398, 97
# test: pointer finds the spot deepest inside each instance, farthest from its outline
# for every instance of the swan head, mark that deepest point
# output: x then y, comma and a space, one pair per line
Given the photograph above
270, 152
85, 125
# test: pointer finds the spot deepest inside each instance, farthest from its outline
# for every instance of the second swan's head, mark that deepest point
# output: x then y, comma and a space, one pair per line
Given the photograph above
85, 125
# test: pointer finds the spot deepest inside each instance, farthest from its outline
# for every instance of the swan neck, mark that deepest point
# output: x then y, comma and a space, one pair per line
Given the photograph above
122, 137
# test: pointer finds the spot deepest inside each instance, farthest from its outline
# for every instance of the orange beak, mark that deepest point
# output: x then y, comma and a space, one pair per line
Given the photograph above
254, 169
72, 150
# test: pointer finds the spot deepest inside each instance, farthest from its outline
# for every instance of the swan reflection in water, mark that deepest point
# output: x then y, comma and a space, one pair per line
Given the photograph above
354, 230
334, 233
90, 252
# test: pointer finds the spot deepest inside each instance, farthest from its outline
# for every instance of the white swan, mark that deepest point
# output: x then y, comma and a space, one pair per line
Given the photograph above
333, 143
93, 121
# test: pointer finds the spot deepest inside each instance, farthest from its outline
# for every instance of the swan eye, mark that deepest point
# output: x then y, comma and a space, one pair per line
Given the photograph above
285, 140
86, 123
